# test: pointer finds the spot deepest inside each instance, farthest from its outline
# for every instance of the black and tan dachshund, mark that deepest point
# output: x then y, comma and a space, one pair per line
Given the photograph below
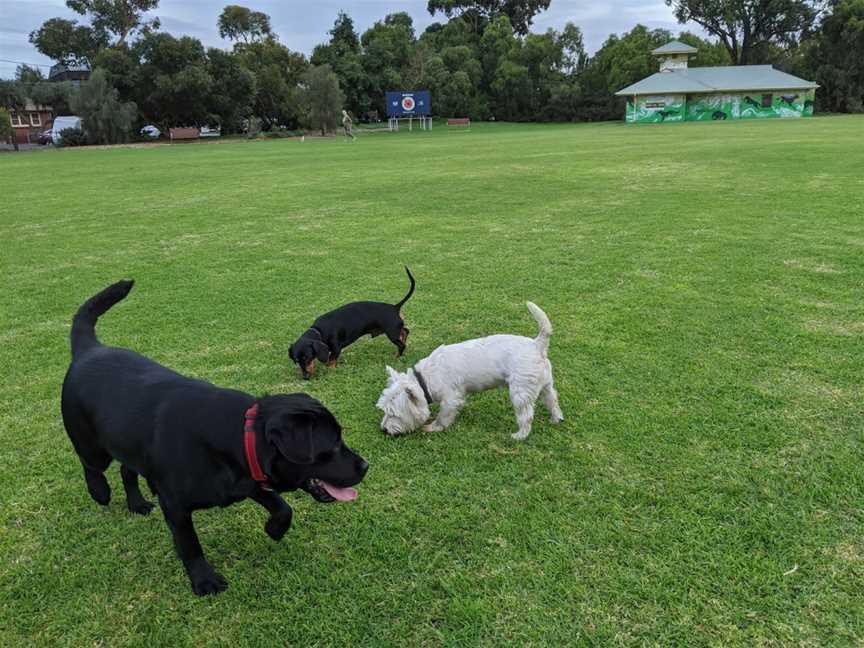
334, 331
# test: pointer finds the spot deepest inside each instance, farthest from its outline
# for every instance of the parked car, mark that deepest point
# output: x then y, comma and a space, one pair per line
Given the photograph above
210, 131
45, 137
150, 131
62, 123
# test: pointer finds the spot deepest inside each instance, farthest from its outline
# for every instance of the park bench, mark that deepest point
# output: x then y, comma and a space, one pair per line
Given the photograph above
459, 121
183, 134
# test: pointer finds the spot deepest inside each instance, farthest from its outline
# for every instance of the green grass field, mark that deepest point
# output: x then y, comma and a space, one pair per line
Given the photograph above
705, 282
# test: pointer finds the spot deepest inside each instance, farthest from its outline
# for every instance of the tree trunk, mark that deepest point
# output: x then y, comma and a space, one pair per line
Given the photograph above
746, 54
731, 46
746, 47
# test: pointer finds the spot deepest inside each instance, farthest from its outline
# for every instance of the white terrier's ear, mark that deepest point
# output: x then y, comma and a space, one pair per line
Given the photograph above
392, 373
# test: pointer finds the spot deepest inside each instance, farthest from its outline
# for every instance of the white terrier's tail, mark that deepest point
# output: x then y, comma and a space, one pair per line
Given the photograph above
545, 325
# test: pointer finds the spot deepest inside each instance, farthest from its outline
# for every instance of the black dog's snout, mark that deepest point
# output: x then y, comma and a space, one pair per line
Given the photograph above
362, 466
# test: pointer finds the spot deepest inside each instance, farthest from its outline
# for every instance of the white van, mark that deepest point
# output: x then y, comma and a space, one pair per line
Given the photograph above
61, 124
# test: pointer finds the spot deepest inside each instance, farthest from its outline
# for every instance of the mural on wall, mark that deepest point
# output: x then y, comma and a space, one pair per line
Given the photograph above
711, 108
653, 110
789, 103
674, 62
719, 107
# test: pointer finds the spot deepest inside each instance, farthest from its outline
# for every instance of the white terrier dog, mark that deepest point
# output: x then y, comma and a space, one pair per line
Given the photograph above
453, 371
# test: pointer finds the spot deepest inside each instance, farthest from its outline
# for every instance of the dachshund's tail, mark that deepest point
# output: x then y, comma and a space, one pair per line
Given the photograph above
410, 290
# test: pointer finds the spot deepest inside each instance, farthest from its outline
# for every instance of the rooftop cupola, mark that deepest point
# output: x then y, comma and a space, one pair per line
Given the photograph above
674, 55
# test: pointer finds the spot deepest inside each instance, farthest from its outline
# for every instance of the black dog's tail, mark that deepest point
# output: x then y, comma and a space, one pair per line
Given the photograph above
410, 290
84, 323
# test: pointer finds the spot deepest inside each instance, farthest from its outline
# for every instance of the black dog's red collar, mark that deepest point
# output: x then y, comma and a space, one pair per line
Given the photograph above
249, 443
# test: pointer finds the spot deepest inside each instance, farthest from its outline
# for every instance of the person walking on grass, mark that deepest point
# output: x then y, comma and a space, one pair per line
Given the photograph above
347, 124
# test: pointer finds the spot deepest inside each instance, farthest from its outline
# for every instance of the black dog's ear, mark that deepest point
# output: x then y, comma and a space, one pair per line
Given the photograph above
322, 351
291, 353
292, 436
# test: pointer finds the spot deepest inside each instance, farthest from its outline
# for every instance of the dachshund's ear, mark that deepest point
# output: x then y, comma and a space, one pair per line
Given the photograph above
322, 351
291, 353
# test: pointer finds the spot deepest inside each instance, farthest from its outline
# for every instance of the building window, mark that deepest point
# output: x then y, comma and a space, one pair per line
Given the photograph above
16, 119
35, 119
766, 100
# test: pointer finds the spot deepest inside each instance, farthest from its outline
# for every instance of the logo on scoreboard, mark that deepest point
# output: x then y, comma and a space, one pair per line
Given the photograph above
408, 103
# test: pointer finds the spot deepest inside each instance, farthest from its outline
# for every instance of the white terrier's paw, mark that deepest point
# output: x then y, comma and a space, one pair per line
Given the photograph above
520, 436
433, 427
557, 418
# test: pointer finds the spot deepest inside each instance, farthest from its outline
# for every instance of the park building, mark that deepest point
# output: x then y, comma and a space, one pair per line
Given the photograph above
681, 93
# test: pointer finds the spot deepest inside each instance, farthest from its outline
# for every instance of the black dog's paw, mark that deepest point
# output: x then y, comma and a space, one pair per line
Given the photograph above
98, 488
103, 498
277, 526
141, 508
206, 580
210, 585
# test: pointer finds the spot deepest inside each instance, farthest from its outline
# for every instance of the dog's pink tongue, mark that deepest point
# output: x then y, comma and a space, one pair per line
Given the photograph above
341, 494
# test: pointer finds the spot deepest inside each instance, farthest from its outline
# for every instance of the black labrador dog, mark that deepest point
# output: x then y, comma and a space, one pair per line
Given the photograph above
334, 331
197, 445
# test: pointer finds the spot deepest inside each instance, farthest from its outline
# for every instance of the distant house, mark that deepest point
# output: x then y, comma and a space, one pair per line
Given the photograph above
74, 73
31, 121
681, 93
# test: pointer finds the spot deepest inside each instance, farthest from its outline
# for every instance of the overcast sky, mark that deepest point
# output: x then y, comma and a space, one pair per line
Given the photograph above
302, 24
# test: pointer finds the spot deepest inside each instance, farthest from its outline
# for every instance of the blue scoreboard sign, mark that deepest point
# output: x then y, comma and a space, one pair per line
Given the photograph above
409, 104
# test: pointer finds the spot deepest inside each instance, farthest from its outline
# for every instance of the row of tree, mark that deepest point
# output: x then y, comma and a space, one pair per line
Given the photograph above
482, 62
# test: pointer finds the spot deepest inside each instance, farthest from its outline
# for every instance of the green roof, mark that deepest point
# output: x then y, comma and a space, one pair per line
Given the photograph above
675, 47
730, 78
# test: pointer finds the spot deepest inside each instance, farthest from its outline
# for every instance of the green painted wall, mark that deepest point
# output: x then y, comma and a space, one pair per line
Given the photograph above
712, 108
719, 107
653, 110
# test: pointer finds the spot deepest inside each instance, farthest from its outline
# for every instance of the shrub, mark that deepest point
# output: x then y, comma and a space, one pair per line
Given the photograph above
253, 127
72, 137
322, 99
106, 118
7, 133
